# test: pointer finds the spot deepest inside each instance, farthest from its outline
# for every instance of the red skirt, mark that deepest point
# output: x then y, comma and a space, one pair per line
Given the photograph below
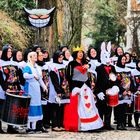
71, 114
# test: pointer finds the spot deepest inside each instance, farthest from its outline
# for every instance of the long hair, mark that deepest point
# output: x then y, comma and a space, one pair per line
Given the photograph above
4, 52
119, 62
84, 60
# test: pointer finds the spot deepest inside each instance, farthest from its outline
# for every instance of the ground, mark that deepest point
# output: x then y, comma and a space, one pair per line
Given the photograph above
130, 134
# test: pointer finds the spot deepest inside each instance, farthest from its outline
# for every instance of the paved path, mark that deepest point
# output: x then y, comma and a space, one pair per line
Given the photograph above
130, 134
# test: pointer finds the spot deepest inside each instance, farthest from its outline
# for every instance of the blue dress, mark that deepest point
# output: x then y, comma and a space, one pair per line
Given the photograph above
32, 88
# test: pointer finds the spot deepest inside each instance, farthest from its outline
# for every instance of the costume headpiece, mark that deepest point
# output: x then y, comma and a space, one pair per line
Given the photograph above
77, 48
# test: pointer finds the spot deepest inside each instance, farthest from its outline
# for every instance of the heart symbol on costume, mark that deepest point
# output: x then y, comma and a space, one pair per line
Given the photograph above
88, 105
81, 69
86, 97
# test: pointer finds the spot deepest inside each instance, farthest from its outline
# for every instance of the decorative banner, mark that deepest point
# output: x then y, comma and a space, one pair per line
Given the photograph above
40, 17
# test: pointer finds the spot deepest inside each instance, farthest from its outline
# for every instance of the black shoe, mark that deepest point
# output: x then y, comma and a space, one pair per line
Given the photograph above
46, 126
120, 127
115, 122
12, 131
137, 128
130, 125
108, 128
30, 131
43, 130
2, 132
124, 126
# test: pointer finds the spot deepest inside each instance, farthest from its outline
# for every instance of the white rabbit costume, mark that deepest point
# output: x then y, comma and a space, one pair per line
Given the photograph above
104, 83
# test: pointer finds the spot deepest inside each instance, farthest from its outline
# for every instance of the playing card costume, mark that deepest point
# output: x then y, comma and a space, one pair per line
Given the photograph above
58, 93
123, 82
136, 90
11, 76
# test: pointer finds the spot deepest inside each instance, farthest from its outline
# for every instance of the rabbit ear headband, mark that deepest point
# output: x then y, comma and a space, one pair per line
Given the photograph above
105, 47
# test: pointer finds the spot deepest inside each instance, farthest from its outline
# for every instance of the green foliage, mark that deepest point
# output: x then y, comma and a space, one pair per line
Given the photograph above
11, 32
107, 22
15, 8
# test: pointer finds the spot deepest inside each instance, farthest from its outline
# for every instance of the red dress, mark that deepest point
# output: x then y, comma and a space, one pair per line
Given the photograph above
71, 114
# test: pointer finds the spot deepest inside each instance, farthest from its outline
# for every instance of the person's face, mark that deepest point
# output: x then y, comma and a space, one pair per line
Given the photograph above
119, 51
34, 57
19, 56
40, 56
80, 55
127, 57
9, 53
67, 54
123, 61
93, 53
139, 64
38, 50
60, 58
45, 55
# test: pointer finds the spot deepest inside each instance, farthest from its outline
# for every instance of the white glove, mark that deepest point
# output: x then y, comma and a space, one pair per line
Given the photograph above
128, 102
45, 90
58, 100
101, 96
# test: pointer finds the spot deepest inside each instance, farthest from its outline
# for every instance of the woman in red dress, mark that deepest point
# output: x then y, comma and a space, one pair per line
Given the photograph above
81, 114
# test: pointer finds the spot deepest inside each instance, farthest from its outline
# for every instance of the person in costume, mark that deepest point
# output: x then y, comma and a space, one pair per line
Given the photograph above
63, 48
92, 55
44, 96
36, 48
124, 82
42, 123
81, 114
17, 56
132, 65
12, 76
129, 62
33, 75
103, 83
67, 57
58, 91
118, 52
46, 56
136, 90
2, 98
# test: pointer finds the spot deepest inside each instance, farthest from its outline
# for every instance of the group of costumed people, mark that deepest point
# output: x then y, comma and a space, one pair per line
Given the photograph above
70, 92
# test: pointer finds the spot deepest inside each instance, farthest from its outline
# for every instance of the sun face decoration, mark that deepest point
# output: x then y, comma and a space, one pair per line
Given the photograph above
40, 17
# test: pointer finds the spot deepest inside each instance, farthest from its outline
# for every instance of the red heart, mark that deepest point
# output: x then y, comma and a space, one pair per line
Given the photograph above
88, 105
81, 69
86, 97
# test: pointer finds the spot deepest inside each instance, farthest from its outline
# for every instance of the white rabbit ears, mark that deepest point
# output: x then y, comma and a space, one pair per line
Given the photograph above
105, 47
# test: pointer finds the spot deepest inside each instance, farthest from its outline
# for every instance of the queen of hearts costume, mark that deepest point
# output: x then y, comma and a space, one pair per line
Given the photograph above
81, 114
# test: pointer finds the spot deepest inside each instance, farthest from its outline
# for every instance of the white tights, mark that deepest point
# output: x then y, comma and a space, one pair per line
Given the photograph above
32, 126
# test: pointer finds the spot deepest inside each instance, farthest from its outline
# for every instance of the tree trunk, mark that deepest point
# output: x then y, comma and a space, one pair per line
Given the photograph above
136, 43
67, 24
48, 38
